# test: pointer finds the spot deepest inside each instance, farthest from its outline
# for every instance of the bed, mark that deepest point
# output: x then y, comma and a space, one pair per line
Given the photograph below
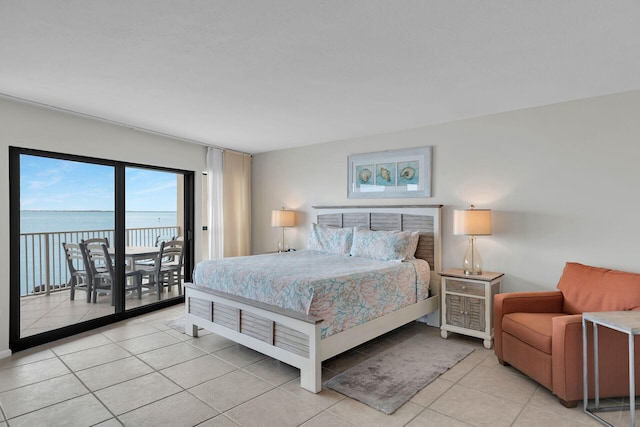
279, 325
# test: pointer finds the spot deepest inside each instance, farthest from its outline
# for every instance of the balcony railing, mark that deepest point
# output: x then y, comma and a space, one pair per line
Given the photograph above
43, 265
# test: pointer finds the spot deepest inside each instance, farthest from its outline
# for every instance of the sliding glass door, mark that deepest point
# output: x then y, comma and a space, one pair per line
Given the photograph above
62, 203
154, 220
87, 236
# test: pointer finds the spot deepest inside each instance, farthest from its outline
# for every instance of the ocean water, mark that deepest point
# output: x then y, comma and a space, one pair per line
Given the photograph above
52, 221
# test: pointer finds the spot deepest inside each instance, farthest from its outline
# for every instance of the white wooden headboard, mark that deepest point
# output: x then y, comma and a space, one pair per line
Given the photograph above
422, 218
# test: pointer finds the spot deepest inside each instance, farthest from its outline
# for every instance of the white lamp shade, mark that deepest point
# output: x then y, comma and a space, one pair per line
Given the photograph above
283, 218
472, 222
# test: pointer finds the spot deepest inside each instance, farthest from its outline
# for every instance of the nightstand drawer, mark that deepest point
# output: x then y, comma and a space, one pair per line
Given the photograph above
464, 287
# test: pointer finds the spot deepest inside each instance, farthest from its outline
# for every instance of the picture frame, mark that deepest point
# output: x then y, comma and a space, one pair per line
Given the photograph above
390, 174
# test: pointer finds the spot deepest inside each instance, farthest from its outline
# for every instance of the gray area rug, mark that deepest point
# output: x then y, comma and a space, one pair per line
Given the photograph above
386, 381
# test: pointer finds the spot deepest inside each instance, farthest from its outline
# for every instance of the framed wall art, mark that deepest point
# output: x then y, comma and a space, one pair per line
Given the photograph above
390, 174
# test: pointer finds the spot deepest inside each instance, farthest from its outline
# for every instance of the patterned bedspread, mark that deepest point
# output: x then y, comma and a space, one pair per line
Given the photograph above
344, 291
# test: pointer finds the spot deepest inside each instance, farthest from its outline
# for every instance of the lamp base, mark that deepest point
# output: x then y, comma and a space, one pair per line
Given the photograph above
282, 244
472, 263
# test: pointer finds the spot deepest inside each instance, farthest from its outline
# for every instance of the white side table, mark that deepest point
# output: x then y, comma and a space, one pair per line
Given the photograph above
627, 322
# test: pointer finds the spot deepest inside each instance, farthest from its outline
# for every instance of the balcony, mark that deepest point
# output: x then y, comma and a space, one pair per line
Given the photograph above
45, 302
43, 266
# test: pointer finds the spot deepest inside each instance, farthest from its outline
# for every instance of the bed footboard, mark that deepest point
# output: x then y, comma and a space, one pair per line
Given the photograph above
288, 336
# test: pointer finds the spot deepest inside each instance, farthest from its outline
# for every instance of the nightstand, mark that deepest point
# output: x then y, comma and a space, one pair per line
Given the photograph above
467, 303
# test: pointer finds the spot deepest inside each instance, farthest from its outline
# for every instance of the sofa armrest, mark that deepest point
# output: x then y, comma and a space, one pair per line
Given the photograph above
566, 359
522, 302
528, 302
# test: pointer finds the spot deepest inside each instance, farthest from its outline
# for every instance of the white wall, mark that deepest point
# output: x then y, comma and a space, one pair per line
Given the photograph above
562, 181
28, 126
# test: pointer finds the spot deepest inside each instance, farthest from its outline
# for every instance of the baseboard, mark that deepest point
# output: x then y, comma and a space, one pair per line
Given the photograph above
5, 353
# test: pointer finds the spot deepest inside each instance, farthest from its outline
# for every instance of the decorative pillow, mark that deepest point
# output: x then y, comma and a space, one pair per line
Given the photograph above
383, 245
413, 245
332, 240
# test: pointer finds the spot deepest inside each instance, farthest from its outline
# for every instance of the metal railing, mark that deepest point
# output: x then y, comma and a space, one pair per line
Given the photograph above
43, 265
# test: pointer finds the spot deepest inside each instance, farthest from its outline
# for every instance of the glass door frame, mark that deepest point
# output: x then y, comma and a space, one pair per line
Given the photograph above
16, 342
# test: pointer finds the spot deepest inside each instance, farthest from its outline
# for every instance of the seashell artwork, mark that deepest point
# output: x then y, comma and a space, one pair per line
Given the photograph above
407, 173
365, 175
385, 174
390, 173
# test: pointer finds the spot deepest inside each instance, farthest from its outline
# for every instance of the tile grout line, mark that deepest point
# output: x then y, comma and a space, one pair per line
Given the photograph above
154, 370
4, 415
88, 389
236, 368
71, 372
158, 371
182, 389
515, 419
454, 383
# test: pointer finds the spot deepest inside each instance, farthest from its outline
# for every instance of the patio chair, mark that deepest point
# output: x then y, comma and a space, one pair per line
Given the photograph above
173, 256
165, 239
102, 274
96, 240
167, 268
151, 262
79, 278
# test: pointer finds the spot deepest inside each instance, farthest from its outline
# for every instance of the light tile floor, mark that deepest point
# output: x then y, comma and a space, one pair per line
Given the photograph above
142, 373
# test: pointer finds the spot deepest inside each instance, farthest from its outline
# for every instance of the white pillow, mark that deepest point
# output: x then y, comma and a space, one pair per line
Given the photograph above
383, 245
333, 240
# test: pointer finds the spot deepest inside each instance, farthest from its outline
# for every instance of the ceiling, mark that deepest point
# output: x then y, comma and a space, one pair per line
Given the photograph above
263, 75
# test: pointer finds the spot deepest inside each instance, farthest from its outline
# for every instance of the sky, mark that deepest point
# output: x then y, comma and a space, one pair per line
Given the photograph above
54, 184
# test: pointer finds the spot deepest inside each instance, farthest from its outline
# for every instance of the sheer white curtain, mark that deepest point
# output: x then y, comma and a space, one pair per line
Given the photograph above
215, 205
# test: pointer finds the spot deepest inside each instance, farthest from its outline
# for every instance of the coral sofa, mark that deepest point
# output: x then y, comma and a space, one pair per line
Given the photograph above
540, 333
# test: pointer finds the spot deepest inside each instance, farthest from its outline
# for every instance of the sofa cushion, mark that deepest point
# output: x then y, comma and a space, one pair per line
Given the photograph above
587, 288
534, 329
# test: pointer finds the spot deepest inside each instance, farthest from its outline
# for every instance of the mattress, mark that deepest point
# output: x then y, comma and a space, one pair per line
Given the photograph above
344, 291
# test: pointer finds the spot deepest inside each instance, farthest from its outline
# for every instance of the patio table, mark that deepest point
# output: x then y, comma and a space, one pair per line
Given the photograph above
133, 254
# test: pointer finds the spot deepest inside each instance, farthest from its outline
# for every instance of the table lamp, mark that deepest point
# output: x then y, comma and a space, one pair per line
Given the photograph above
472, 222
283, 218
